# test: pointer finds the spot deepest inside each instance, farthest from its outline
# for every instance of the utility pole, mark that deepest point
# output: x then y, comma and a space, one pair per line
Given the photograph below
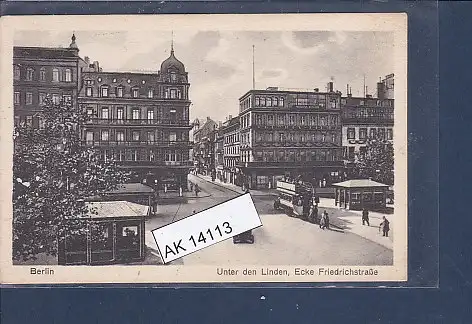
253, 70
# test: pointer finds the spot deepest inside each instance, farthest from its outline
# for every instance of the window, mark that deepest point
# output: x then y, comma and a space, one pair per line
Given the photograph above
333, 138
67, 98
135, 113
173, 77
89, 138
323, 138
363, 133
16, 98
150, 114
104, 91
68, 75
390, 134
281, 137
373, 133
269, 102
55, 75
119, 92
150, 137
172, 136
119, 113
29, 74
150, 93
56, 99
333, 104
292, 137
292, 119
104, 137
302, 120
351, 133
135, 136
88, 91
302, 138
152, 156
281, 102
121, 155
361, 102
105, 113
173, 93
89, 111
275, 102
382, 133
134, 155
270, 120
323, 121
120, 136
135, 93
16, 72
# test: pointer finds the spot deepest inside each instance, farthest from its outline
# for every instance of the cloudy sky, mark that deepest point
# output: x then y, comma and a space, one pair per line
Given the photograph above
220, 63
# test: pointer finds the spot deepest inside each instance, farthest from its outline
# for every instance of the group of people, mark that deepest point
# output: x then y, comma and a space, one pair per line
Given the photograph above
384, 226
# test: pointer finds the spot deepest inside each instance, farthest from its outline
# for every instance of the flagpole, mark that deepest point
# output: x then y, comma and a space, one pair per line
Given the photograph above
253, 71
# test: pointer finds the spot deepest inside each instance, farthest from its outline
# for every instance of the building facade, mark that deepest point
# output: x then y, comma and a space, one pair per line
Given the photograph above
40, 72
218, 138
141, 121
363, 119
386, 87
204, 149
231, 150
290, 133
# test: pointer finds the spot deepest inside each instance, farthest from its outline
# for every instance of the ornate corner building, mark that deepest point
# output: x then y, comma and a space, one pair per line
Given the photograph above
141, 120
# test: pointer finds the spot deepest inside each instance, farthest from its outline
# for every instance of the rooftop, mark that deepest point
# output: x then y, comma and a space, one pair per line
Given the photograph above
110, 209
359, 183
130, 188
44, 52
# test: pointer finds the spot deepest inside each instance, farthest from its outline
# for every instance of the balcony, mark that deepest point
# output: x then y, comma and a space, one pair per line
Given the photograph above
132, 122
296, 127
184, 144
291, 164
152, 164
368, 120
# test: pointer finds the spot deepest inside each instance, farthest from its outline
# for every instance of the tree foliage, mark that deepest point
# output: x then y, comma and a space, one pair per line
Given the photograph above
53, 174
376, 163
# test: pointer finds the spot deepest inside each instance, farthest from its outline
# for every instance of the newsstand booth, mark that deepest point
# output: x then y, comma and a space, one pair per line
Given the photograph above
361, 193
112, 233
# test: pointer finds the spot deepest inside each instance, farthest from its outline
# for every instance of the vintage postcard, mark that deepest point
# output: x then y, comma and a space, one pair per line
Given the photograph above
204, 148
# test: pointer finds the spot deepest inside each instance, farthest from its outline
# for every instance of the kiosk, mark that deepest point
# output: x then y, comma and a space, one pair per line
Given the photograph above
111, 233
361, 193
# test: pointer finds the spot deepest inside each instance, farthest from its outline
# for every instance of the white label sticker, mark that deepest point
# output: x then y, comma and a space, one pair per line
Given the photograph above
206, 228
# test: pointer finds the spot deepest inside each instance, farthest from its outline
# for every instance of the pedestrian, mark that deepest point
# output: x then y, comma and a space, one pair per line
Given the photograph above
191, 186
197, 189
324, 220
365, 217
313, 214
384, 226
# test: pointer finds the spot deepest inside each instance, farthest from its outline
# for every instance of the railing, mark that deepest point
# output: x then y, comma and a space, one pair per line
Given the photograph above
292, 164
296, 127
367, 120
127, 122
156, 163
138, 143
293, 144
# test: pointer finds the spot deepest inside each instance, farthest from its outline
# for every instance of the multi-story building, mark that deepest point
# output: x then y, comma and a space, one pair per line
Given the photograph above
39, 72
231, 150
364, 118
290, 133
218, 139
204, 146
141, 120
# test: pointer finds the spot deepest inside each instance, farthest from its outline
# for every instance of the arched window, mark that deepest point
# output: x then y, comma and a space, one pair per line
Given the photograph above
55, 75
16, 72
42, 74
29, 74
68, 75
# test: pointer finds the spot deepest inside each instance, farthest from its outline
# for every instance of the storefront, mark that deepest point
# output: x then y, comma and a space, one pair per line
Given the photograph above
361, 193
113, 233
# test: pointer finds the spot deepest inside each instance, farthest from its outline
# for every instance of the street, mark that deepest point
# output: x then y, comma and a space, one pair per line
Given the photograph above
282, 240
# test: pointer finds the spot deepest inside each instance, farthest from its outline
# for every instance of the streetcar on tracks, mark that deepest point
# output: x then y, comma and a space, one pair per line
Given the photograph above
296, 198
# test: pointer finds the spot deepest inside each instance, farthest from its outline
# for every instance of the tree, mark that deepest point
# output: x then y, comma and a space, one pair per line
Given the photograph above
53, 174
376, 163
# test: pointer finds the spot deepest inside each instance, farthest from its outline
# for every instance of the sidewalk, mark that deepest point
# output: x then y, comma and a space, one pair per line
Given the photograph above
351, 221
173, 196
232, 187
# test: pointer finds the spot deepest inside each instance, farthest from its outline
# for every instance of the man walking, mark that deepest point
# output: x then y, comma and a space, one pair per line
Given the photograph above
385, 226
365, 217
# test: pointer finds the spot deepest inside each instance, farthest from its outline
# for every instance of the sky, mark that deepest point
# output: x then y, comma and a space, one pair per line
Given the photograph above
219, 63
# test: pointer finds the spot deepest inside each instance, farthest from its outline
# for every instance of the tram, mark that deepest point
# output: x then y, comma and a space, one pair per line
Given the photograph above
296, 198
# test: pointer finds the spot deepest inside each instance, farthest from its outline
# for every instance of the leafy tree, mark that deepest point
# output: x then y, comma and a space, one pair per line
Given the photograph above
53, 174
376, 163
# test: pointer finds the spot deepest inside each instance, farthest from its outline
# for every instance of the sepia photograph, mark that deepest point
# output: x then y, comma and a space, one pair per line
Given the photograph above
116, 132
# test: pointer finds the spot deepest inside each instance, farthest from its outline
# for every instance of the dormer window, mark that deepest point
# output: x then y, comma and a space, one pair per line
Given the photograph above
88, 91
150, 93
119, 92
173, 77
104, 91
135, 93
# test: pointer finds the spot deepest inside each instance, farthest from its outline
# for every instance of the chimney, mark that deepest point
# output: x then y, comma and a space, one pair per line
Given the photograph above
208, 118
347, 89
380, 91
96, 66
230, 117
316, 90
87, 59
330, 86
